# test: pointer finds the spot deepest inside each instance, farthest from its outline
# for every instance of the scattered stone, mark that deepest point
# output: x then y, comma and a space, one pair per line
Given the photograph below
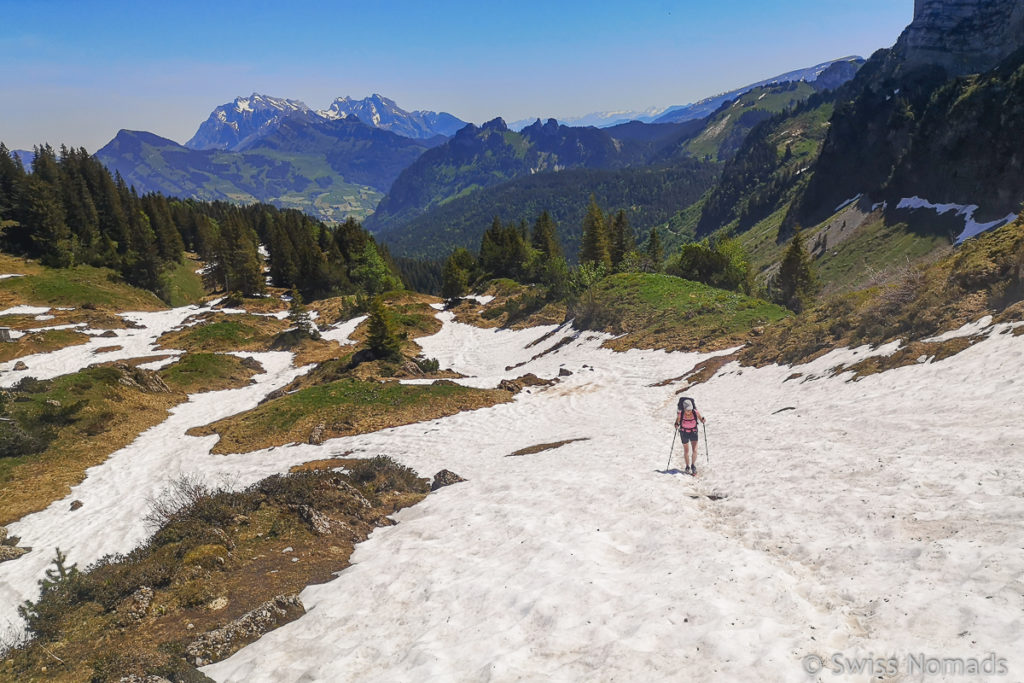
352, 491
137, 378
316, 437
218, 604
20, 366
757, 331
108, 334
76, 504
410, 368
135, 606
445, 478
53, 402
10, 552
151, 678
221, 643
288, 550
240, 519
224, 538
276, 393
317, 521
528, 380
564, 372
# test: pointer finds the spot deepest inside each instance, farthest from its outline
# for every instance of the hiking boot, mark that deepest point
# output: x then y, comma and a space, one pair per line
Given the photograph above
693, 470
687, 470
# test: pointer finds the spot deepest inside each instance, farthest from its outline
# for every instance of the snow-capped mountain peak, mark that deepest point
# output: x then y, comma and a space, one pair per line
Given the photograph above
234, 125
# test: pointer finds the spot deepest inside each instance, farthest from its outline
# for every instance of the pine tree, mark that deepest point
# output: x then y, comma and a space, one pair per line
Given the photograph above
454, 279
545, 237
381, 337
298, 316
623, 240
655, 252
796, 281
594, 247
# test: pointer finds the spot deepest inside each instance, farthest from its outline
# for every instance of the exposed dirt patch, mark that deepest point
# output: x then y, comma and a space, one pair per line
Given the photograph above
541, 447
911, 354
107, 349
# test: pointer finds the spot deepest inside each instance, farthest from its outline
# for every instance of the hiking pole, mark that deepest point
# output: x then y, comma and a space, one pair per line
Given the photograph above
707, 453
673, 447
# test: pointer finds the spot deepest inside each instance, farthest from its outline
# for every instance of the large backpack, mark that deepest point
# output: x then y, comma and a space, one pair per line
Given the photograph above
679, 405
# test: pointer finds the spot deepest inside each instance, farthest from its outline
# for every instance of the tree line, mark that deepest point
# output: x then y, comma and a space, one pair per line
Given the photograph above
69, 210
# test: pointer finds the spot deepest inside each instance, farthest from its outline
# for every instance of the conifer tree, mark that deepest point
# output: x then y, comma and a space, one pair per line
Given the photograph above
594, 247
454, 279
381, 336
545, 236
796, 281
298, 316
655, 252
623, 240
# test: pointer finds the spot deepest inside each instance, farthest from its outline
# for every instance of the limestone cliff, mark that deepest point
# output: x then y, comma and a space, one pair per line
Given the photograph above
963, 36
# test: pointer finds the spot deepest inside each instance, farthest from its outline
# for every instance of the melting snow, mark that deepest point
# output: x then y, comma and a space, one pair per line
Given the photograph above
342, 331
849, 201
834, 516
25, 310
7, 275
967, 211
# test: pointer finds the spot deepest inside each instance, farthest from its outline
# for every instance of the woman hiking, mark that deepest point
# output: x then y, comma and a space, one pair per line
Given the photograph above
686, 422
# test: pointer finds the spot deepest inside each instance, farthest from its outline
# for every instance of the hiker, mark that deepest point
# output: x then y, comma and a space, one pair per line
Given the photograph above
686, 422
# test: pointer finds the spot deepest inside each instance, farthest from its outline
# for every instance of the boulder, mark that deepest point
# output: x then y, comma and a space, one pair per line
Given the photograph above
10, 552
3, 534
20, 366
76, 504
411, 369
316, 437
107, 334
317, 521
223, 642
135, 606
445, 478
251, 363
145, 380
564, 372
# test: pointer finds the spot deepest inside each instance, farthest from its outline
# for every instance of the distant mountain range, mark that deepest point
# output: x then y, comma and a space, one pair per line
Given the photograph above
238, 125
826, 76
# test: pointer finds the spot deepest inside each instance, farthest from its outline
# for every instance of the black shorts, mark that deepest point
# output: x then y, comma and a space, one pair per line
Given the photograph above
686, 435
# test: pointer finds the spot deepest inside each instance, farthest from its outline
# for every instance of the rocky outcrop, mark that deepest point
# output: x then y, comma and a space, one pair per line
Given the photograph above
144, 380
528, 380
445, 478
220, 643
136, 606
10, 552
963, 36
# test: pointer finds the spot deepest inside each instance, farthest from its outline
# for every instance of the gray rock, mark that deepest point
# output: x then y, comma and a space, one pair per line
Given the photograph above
963, 36
316, 437
317, 521
136, 606
445, 478
564, 372
76, 504
352, 491
135, 678
252, 364
10, 552
221, 643
108, 334
20, 366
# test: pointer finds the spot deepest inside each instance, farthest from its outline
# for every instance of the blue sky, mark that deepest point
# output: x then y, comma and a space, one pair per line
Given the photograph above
77, 72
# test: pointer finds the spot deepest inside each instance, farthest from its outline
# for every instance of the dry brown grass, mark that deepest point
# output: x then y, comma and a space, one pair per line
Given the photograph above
541, 447
36, 481
261, 428
40, 342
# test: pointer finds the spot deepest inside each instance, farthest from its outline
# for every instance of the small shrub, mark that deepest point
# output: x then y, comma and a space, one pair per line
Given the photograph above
383, 473
194, 593
208, 556
183, 492
427, 364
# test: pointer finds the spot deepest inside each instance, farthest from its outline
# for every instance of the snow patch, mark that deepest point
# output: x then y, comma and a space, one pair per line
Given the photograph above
971, 227
25, 310
7, 275
342, 332
849, 201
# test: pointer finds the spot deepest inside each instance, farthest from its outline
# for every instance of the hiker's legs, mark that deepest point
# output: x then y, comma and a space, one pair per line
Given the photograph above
686, 453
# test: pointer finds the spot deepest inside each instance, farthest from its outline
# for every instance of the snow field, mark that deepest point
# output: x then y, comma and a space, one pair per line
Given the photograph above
875, 517
879, 517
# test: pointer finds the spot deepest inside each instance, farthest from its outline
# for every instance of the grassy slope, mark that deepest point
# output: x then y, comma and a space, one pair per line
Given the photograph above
210, 563
985, 275
661, 311
75, 286
347, 406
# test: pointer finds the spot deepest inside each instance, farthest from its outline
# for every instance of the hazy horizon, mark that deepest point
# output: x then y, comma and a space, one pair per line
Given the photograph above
76, 75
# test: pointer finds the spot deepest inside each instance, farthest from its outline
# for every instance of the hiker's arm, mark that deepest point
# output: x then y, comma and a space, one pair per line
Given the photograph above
679, 417
702, 420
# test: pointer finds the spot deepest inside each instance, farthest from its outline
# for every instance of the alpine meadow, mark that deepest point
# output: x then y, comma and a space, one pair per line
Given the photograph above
600, 366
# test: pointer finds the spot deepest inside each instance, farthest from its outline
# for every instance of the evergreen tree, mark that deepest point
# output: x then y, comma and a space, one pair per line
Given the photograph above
796, 281
372, 273
454, 280
298, 316
503, 251
594, 247
655, 252
623, 240
42, 216
381, 337
545, 237
12, 179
